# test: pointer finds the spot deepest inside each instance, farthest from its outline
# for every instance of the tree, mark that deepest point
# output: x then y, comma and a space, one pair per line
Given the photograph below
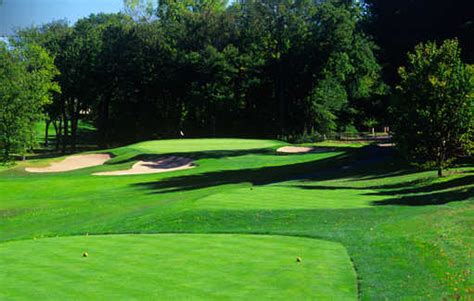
398, 25
434, 112
251, 68
317, 62
26, 74
55, 37
78, 53
140, 10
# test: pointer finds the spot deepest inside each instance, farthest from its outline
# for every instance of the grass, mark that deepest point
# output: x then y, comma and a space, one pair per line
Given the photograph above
175, 267
86, 138
337, 143
407, 232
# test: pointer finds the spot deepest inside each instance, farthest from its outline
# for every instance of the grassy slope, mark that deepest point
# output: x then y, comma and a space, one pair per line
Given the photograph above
406, 231
176, 267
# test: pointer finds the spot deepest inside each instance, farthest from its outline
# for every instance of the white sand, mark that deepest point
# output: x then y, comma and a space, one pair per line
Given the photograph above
72, 163
386, 144
163, 164
299, 149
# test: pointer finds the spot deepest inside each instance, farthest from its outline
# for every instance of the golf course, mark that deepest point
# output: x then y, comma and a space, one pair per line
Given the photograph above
348, 222
236, 150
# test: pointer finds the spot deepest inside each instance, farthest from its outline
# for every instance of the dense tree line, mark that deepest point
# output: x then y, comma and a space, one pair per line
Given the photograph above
252, 68
292, 69
399, 25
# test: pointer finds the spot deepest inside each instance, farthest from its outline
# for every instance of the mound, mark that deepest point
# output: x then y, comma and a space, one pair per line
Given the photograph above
163, 164
300, 149
72, 163
176, 267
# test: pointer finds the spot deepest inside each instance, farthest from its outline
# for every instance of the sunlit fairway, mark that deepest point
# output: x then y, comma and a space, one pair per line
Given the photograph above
176, 267
282, 196
237, 150
202, 145
405, 231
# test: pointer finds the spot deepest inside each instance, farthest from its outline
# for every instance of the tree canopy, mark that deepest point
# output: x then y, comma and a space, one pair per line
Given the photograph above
252, 68
398, 25
434, 111
26, 74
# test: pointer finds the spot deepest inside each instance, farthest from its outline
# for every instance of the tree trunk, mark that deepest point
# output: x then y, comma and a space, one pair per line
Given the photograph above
46, 133
74, 121
6, 152
280, 94
440, 163
103, 123
441, 158
65, 133
213, 125
73, 133
58, 130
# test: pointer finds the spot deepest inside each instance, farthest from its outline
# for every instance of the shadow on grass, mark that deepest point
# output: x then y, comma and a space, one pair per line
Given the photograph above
458, 182
368, 163
458, 189
218, 154
438, 198
199, 155
318, 170
257, 176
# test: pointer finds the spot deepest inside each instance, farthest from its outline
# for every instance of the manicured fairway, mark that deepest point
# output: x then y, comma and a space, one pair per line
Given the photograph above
181, 266
407, 232
200, 148
286, 196
202, 145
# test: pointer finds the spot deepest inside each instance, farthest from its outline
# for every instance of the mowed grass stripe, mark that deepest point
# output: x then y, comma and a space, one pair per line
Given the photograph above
286, 196
176, 266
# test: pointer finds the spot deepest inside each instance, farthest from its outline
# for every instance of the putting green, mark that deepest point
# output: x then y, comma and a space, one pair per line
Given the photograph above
202, 145
176, 266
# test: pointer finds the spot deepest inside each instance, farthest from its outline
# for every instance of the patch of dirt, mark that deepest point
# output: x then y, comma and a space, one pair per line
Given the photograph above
72, 163
163, 164
300, 149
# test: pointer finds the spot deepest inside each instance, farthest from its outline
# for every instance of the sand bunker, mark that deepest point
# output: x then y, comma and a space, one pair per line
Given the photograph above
158, 165
72, 163
301, 149
386, 144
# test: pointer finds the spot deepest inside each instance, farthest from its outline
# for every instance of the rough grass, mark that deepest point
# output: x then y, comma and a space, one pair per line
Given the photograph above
407, 232
176, 267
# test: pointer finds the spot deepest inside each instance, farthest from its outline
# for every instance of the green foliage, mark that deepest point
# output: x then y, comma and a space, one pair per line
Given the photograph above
397, 26
140, 10
306, 137
350, 129
26, 86
327, 98
434, 113
251, 68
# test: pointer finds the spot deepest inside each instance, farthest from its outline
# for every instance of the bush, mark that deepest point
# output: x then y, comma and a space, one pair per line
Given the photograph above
305, 137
